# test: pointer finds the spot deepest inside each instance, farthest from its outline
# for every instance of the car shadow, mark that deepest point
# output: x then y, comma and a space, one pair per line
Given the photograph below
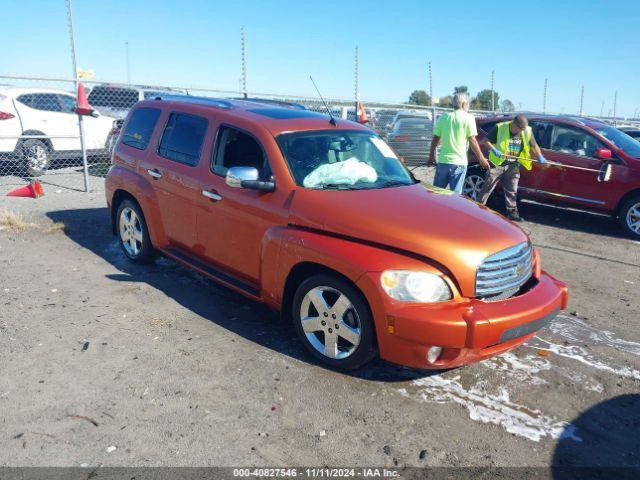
609, 442
91, 229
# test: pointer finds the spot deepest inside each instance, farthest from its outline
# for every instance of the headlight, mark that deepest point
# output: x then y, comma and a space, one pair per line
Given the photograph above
414, 286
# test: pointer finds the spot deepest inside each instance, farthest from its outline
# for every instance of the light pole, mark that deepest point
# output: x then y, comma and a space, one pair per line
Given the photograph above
244, 62
83, 149
126, 56
493, 97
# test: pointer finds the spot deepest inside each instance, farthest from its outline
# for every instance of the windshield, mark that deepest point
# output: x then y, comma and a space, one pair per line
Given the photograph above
621, 140
339, 159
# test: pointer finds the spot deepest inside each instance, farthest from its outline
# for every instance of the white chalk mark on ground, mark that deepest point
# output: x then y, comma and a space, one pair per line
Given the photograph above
497, 409
581, 355
578, 331
522, 369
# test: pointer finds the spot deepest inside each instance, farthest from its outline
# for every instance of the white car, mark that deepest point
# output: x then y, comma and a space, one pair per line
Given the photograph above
39, 125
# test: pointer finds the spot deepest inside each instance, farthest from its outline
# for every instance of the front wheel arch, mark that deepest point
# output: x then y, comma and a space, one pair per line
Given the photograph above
367, 346
298, 274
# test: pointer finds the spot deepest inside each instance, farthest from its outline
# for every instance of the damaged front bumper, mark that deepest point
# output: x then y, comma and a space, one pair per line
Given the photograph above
467, 330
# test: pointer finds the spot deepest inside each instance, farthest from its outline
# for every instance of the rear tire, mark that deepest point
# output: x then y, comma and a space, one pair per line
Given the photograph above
133, 234
630, 217
333, 321
36, 157
473, 182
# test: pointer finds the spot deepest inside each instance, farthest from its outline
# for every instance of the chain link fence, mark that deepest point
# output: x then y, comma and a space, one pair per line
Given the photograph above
41, 136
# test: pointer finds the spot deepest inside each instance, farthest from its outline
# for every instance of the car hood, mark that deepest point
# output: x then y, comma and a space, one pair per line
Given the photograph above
444, 227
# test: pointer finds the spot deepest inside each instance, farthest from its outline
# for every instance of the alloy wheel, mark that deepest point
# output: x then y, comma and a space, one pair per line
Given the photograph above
330, 322
130, 232
37, 157
633, 218
473, 186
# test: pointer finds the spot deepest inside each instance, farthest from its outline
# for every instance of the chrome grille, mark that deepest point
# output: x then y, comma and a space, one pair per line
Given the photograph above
502, 274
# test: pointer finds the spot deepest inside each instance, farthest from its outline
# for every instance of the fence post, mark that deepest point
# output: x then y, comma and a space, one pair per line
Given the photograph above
85, 166
433, 106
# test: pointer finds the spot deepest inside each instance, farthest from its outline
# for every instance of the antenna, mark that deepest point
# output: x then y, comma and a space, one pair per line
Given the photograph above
333, 120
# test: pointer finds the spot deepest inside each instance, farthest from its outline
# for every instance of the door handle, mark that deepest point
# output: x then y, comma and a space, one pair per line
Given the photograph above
213, 196
154, 173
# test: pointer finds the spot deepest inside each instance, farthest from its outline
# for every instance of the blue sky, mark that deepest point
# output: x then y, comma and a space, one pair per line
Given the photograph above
197, 43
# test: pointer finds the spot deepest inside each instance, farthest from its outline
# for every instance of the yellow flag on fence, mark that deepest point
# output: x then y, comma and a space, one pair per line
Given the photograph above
85, 74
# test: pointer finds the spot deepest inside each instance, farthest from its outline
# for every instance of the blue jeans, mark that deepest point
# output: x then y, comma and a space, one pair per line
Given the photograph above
450, 176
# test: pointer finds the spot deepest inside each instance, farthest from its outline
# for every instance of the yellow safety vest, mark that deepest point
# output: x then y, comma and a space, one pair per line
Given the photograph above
502, 143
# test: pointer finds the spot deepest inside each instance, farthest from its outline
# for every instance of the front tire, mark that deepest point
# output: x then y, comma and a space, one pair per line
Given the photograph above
133, 234
333, 321
473, 182
630, 217
36, 157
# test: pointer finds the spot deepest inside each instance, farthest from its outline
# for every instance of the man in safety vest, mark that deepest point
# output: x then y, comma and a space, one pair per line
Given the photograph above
510, 145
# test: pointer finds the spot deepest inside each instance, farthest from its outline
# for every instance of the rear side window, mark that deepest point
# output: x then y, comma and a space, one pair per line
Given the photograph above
542, 133
487, 126
47, 102
183, 138
140, 127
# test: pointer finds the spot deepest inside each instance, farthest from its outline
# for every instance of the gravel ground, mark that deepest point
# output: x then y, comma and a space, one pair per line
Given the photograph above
108, 363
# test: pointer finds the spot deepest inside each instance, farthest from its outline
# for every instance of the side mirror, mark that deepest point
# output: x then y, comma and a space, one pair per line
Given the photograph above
603, 153
247, 177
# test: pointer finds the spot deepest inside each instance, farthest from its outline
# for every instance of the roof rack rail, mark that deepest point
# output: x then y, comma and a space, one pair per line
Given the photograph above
207, 101
272, 101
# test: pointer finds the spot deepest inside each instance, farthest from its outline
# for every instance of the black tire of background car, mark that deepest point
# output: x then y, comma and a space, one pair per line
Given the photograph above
624, 210
27, 148
147, 253
367, 348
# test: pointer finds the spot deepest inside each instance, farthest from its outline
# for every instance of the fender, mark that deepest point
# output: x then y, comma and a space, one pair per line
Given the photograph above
285, 247
140, 188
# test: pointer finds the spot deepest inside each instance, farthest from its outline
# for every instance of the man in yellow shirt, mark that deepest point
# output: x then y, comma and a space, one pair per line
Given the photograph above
454, 132
510, 145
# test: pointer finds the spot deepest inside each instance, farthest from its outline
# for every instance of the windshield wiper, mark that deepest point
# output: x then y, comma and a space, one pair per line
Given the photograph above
392, 183
339, 186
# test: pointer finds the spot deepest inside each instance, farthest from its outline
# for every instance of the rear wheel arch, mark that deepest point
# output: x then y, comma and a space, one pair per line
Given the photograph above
46, 141
118, 197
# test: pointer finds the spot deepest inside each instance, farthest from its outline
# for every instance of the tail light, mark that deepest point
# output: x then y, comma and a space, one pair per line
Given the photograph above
6, 116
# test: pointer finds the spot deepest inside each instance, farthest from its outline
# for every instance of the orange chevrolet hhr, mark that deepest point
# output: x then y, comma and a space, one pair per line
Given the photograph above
317, 217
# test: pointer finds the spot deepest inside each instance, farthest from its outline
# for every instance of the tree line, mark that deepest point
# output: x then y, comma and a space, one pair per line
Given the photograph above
482, 100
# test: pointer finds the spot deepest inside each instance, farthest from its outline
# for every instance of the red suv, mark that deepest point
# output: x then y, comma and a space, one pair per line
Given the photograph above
582, 142
318, 218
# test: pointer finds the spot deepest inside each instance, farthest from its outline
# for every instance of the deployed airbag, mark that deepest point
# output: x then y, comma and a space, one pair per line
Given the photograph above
348, 172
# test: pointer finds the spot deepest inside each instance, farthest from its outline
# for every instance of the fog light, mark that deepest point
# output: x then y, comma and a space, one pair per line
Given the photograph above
433, 353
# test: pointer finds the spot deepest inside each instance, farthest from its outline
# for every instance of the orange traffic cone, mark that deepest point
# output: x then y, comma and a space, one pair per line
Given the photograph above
82, 105
361, 113
32, 190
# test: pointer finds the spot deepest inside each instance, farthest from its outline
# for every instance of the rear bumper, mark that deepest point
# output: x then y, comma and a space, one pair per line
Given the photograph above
468, 330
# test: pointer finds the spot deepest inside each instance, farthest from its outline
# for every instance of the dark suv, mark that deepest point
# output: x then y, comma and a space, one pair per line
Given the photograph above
582, 142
